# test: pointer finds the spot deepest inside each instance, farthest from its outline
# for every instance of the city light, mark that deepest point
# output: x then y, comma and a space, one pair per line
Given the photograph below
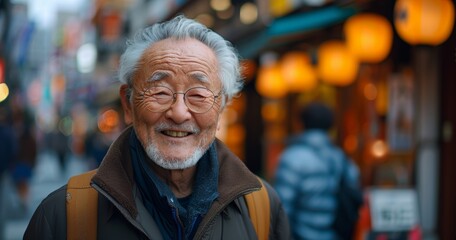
249, 13
4, 91
87, 57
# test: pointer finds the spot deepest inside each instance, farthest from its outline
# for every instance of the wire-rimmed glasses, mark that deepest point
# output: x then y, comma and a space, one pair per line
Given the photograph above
160, 98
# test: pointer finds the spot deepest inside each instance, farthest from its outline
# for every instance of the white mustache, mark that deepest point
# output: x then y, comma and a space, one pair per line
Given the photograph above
186, 127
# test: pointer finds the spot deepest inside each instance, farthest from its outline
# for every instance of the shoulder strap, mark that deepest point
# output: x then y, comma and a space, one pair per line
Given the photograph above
259, 211
82, 207
344, 168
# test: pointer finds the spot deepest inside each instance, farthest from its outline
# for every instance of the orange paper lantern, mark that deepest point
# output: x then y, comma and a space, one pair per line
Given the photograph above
298, 72
4, 91
270, 82
279, 7
425, 21
369, 37
336, 64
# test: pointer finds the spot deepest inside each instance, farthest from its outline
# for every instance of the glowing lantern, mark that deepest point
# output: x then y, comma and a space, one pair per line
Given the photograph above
425, 21
108, 121
270, 82
336, 64
4, 91
369, 37
297, 72
279, 7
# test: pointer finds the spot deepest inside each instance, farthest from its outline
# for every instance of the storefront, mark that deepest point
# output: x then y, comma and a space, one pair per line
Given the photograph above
393, 117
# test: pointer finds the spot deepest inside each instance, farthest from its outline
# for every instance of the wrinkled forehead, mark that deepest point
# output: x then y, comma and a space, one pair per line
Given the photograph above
184, 56
187, 47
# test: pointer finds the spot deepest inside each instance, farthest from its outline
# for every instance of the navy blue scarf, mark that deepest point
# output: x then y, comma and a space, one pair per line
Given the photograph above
160, 201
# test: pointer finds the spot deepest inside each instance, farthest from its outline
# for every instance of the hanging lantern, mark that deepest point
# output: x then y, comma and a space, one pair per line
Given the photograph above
270, 82
369, 37
425, 21
298, 73
279, 7
4, 91
336, 64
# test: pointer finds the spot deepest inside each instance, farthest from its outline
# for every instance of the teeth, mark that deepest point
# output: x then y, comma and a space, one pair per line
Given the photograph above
176, 134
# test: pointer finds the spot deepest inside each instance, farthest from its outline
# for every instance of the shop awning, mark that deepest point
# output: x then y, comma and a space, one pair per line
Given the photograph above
294, 24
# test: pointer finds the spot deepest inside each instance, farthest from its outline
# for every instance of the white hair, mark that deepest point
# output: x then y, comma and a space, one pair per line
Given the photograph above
181, 27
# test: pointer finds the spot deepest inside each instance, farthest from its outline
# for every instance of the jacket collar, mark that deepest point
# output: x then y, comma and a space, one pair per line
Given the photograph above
115, 176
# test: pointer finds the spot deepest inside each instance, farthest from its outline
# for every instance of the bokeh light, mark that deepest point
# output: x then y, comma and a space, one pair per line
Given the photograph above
4, 91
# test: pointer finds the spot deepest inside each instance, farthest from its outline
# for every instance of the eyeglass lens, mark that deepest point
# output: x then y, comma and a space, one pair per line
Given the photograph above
198, 99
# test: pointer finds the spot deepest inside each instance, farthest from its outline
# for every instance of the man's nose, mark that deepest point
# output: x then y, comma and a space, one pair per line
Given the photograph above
178, 112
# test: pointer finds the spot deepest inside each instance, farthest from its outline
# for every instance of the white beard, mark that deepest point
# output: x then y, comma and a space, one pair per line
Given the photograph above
173, 163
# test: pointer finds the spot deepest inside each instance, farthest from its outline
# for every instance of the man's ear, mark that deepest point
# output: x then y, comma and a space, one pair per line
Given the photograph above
124, 93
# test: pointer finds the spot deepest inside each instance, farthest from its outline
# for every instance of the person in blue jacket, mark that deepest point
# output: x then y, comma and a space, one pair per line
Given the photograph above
308, 175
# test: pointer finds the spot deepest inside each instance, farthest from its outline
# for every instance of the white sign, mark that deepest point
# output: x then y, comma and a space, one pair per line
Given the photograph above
393, 209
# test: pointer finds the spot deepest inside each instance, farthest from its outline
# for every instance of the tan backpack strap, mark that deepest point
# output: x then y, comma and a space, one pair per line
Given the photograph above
82, 207
259, 211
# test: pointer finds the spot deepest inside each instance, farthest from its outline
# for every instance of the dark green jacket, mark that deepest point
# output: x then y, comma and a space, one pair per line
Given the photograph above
121, 215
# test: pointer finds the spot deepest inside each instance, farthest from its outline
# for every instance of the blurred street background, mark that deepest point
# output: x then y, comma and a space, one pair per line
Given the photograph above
47, 177
387, 68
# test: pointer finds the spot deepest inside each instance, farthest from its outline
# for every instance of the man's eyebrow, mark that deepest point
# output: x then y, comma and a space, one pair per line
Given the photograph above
156, 76
200, 77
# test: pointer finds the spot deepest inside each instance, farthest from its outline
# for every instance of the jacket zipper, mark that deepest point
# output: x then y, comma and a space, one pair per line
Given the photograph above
177, 221
197, 235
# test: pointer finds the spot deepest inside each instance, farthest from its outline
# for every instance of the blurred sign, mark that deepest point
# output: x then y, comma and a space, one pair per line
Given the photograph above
393, 209
401, 107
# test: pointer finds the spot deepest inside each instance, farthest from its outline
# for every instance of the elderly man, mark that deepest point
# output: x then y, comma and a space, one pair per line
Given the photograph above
167, 176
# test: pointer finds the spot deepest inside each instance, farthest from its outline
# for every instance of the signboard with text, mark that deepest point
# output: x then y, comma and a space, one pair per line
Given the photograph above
393, 209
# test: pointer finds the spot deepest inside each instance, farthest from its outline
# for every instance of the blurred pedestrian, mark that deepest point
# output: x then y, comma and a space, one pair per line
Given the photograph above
307, 178
25, 161
8, 151
167, 176
58, 143
8, 141
96, 147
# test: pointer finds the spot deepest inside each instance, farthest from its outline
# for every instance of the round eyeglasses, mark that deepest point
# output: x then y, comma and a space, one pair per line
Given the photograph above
160, 98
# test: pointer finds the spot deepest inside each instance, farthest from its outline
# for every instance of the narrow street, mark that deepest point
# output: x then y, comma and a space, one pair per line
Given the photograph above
47, 177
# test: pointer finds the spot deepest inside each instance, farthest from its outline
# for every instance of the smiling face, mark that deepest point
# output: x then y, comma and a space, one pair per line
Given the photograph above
175, 138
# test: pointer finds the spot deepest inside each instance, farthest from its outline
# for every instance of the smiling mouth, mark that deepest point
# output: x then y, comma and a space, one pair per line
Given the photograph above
177, 134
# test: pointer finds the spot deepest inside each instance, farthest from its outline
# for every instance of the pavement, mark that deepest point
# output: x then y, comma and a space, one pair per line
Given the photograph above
47, 177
